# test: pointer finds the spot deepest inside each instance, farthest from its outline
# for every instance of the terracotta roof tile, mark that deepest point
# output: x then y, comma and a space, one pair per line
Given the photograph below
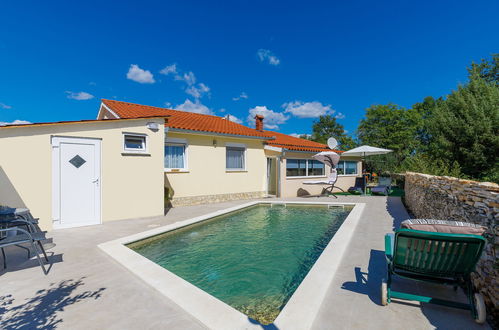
207, 123
184, 120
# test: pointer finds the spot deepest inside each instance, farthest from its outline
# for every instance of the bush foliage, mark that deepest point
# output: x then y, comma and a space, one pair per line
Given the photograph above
456, 135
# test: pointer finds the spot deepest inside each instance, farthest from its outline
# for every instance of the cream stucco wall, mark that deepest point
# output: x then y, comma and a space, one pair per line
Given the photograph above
293, 186
131, 186
206, 174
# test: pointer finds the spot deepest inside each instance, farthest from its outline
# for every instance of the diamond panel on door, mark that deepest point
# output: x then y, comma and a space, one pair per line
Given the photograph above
77, 161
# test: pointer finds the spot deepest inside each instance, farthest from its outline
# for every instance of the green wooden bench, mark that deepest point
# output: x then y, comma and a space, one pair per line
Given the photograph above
434, 257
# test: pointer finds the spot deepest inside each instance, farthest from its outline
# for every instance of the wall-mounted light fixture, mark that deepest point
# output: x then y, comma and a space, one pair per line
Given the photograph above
153, 126
214, 143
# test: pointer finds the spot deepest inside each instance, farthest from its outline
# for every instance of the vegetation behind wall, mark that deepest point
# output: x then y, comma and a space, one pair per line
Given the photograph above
455, 135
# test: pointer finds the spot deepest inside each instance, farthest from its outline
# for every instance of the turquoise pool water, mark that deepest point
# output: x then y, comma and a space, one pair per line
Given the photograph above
252, 259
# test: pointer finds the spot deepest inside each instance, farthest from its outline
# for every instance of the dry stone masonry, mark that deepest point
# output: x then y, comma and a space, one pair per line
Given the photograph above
447, 198
197, 200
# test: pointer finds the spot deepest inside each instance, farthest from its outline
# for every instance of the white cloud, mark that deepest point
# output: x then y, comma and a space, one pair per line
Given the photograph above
243, 95
234, 119
168, 104
307, 109
4, 106
267, 56
169, 69
339, 116
272, 119
300, 135
15, 122
189, 78
80, 96
139, 75
197, 92
196, 107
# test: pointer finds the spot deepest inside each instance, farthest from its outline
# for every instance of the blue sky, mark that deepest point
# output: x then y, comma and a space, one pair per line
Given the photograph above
290, 60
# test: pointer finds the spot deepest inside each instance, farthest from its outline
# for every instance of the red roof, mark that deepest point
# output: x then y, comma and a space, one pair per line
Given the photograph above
207, 123
293, 143
184, 120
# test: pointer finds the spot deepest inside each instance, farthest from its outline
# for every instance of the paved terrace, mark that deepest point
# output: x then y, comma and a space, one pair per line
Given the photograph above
87, 289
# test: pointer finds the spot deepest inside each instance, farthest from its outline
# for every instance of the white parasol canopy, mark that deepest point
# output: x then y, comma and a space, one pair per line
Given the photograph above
363, 151
330, 158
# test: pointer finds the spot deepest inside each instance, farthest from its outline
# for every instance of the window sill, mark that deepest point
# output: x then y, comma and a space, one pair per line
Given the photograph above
169, 170
348, 175
130, 153
306, 177
235, 171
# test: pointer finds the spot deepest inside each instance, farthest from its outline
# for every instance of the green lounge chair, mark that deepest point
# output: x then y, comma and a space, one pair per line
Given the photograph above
434, 257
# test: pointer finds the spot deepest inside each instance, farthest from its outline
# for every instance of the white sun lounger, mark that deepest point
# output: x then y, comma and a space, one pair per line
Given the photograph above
333, 177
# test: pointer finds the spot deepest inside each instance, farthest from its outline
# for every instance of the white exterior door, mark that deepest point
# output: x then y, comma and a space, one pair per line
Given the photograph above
76, 182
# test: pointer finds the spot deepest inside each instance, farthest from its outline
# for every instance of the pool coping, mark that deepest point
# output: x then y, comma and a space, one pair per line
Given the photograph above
299, 312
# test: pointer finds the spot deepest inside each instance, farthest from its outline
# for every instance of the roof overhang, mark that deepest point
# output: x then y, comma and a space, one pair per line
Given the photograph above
276, 149
188, 131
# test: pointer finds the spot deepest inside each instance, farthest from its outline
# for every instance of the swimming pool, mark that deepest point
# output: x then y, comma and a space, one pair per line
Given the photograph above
298, 313
252, 259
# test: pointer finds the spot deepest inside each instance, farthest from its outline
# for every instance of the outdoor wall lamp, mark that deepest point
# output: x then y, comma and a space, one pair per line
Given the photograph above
153, 126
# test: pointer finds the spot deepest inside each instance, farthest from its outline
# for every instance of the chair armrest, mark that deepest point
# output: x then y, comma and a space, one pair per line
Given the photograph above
389, 245
29, 223
16, 229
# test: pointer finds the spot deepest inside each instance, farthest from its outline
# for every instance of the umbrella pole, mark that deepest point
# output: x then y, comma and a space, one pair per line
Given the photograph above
363, 176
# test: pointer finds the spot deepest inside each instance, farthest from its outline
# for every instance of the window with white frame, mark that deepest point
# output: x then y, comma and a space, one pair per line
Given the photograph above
346, 167
175, 154
134, 143
235, 157
304, 167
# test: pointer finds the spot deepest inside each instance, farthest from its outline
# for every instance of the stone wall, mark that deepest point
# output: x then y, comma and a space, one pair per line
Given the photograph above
448, 198
196, 200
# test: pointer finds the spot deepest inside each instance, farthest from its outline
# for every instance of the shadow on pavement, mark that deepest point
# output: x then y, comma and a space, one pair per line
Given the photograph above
397, 211
369, 282
41, 311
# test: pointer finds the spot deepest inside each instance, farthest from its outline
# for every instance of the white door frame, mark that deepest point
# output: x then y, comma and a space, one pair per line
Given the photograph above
56, 170
269, 175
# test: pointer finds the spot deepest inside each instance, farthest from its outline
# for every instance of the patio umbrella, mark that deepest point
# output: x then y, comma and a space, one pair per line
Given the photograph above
364, 151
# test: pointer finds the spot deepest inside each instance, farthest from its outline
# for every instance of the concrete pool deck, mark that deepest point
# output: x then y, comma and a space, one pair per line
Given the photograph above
86, 289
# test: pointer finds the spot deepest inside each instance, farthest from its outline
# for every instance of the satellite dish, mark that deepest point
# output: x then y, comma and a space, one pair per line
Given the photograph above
332, 143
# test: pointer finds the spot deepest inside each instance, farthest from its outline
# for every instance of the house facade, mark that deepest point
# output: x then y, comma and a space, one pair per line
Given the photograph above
210, 159
135, 160
292, 165
71, 174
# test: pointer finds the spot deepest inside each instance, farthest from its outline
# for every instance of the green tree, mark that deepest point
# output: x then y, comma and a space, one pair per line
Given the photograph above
486, 69
425, 111
465, 128
326, 127
393, 127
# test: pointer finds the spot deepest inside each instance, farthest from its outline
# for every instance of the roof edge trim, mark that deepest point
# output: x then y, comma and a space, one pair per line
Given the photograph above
88, 121
103, 104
